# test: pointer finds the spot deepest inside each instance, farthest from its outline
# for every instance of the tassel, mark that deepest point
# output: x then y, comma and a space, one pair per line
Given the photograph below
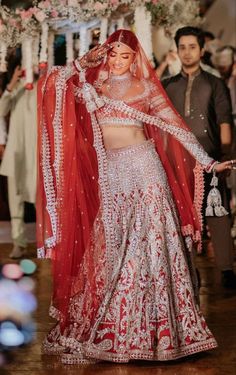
209, 211
214, 201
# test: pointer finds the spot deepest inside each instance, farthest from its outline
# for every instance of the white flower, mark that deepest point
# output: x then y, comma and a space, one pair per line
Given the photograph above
40, 16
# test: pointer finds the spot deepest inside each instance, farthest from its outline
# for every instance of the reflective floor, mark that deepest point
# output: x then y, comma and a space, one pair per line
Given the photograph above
217, 304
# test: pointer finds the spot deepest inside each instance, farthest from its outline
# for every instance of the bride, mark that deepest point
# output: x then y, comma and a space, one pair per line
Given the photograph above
119, 210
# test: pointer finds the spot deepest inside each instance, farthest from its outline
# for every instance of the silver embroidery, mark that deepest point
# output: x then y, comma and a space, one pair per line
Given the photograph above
51, 202
111, 121
146, 312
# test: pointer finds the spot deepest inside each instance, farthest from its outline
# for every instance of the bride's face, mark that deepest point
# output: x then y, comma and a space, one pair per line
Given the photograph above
120, 58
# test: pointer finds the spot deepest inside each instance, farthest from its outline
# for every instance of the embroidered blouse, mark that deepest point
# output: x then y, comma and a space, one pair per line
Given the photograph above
107, 115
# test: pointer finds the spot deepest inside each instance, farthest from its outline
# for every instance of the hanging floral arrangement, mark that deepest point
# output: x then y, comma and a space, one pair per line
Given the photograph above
172, 14
16, 24
26, 26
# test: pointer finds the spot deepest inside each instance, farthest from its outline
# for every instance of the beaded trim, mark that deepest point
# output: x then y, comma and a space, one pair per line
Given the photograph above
50, 193
120, 122
48, 180
86, 353
198, 197
104, 186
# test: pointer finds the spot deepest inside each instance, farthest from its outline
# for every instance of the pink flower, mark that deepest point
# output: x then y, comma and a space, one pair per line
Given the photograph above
99, 6
154, 2
2, 27
44, 4
54, 13
40, 16
114, 2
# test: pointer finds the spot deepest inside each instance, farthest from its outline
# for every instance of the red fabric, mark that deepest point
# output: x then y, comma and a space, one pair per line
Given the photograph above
77, 196
77, 199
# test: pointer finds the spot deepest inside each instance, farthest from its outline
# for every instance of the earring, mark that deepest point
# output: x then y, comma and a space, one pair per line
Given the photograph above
133, 67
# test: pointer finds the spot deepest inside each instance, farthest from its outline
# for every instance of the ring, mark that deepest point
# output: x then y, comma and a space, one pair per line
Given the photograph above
232, 164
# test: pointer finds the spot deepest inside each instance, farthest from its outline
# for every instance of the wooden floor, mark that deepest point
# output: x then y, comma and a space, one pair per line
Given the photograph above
218, 306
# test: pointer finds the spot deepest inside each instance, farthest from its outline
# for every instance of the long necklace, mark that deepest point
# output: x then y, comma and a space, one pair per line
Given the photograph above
118, 85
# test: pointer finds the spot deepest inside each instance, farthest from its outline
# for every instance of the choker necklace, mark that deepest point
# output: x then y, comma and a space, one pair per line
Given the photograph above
118, 85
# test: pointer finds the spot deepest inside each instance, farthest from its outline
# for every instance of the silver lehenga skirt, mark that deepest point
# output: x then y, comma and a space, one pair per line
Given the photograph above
151, 313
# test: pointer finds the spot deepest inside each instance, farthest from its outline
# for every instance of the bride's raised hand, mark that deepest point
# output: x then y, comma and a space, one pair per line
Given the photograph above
95, 56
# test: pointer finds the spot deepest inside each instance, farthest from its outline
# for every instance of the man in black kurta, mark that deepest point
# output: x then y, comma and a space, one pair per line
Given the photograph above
203, 101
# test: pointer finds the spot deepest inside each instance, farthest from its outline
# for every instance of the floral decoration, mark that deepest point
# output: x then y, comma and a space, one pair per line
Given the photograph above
17, 24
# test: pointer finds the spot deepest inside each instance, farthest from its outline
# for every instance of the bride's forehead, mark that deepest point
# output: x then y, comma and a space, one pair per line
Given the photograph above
121, 48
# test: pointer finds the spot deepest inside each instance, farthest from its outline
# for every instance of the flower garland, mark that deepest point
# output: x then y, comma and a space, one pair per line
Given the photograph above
35, 51
3, 54
27, 62
51, 57
84, 41
44, 44
69, 47
103, 30
143, 29
120, 23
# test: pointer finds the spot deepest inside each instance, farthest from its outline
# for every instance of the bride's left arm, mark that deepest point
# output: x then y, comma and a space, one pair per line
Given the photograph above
169, 120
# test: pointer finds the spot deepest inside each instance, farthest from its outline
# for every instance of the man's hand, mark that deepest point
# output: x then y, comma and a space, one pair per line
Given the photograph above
225, 166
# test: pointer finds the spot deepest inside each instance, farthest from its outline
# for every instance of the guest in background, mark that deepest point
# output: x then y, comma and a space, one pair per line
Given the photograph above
203, 101
19, 157
224, 61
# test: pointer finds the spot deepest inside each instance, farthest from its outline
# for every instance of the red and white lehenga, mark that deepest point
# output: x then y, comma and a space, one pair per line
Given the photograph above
119, 224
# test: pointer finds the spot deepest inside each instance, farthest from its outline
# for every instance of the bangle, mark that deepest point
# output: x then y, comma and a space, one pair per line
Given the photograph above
211, 168
77, 65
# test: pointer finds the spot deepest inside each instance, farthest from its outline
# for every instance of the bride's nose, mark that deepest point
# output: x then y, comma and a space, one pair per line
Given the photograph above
117, 59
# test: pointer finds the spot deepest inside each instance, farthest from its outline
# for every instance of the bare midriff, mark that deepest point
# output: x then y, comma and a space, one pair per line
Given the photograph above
117, 137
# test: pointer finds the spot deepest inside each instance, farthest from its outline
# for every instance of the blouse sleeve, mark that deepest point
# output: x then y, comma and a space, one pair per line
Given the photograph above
169, 120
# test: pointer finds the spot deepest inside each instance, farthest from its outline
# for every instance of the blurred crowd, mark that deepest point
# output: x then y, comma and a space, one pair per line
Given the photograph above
18, 302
